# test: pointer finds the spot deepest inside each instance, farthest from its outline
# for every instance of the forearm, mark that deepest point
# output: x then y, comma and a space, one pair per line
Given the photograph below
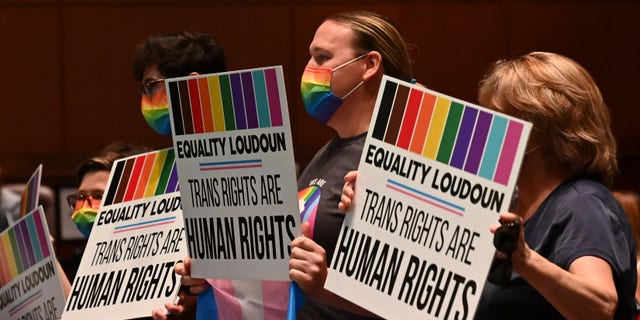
64, 281
575, 296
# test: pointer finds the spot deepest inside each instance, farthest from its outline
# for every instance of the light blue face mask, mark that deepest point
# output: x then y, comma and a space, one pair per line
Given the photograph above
318, 98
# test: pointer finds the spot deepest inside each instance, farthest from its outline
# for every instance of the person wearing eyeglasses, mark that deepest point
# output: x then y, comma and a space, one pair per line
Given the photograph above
92, 175
165, 56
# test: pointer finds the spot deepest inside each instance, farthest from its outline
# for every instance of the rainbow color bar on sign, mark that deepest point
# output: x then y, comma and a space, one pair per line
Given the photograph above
448, 131
226, 102
143, 176
23, 246
31, 192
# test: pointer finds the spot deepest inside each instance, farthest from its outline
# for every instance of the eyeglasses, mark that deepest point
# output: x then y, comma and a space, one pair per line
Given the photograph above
151, 86
76, 201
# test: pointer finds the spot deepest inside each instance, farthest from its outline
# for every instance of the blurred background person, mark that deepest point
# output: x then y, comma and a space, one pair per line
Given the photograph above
9, 205
630, 201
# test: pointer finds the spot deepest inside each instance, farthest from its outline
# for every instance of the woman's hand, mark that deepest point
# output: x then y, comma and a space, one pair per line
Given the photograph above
507, 243
308, 263
348, 191
185, 306
191, 285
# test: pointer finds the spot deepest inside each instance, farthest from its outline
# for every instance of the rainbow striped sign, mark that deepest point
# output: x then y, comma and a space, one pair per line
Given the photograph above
22, 246
449, 131
143, 176
29, 200
226, 102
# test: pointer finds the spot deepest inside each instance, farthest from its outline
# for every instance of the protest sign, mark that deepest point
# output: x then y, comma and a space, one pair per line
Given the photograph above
235, 161
136, 239
29, 278
31, 192
434, 174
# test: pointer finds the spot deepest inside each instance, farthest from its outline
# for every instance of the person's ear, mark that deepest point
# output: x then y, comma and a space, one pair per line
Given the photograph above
373, 63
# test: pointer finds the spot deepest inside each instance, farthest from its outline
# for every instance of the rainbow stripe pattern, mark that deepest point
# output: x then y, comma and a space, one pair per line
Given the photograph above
449, 131
143, 176
29, 200
226, 102
23, 246
308, 200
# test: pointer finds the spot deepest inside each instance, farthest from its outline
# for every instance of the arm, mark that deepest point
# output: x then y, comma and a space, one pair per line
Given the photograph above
64, 281
585, 291
308, 268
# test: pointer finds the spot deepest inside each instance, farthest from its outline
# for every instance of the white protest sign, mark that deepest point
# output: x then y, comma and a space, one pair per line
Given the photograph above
137, 238
234, 153
434, 174
29, 277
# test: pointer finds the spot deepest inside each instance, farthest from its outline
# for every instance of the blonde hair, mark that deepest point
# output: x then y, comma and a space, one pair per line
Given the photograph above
374, 32
630, 202
561, 100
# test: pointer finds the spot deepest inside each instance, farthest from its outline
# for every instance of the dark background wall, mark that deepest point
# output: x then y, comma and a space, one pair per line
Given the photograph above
67, 87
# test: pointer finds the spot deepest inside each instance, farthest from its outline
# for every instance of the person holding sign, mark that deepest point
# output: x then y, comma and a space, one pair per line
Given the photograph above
92, 175
571, 252
575, 254
165, 56
350, 52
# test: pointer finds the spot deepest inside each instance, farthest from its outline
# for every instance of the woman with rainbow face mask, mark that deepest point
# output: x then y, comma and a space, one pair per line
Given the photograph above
92, 175
157, 58
350, 52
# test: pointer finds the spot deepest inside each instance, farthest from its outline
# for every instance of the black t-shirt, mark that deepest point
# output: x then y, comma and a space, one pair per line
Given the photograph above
579, 218
320, 187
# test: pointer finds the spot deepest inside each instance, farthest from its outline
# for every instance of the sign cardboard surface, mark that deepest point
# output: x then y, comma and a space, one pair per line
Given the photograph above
434, 174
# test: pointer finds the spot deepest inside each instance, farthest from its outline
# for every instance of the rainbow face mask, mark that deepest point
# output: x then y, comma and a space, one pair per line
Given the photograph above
83, 219
319, 101
155, 111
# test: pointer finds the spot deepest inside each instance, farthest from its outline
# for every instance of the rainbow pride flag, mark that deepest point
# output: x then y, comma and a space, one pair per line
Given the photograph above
29, 200
23, 245
448, 130
143, 176
226, 102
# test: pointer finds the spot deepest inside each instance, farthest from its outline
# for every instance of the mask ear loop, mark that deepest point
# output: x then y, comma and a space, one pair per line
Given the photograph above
346, 63
350, 61
352, 90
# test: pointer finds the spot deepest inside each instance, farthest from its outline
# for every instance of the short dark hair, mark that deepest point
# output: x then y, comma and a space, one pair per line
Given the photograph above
105, 159
179, 54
